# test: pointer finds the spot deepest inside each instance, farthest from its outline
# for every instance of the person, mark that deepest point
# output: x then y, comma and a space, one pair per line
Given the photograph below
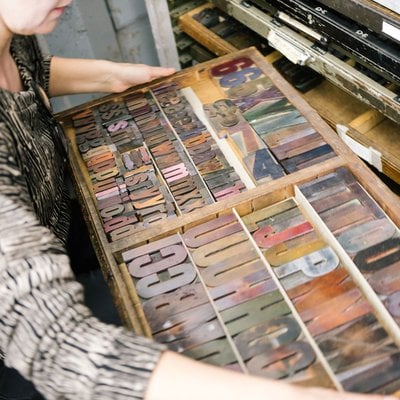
46, 332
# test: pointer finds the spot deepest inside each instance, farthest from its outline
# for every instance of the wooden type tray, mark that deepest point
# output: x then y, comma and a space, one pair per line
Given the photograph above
325, 199
271, 292
370, 134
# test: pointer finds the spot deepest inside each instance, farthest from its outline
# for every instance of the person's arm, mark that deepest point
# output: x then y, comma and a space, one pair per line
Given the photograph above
46, 332
72, 75
179, 378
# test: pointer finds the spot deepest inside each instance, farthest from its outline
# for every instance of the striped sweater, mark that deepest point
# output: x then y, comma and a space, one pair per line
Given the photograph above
45, 330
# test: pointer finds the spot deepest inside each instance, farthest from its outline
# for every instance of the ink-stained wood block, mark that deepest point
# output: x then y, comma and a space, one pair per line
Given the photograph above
239, 281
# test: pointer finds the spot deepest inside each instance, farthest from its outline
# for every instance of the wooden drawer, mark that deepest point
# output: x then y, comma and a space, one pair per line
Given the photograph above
233, 224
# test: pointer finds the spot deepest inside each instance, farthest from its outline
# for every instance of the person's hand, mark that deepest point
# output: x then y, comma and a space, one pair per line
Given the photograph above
199, 381
125, 75
74, 75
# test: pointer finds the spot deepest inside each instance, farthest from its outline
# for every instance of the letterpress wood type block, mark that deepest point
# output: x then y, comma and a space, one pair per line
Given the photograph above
216, 352
334, 291
203, 333
223, 114
210, 231
183, 318
362, 356
291, 249
251, 93
160, 267
285, 362
325, 185
267, 118
277, 224
286, 138
83, 119
365, 233
308, 158
239, 286
182, 299
312, 264
221, 179
112, 111
347, 302
245, 295
189, 193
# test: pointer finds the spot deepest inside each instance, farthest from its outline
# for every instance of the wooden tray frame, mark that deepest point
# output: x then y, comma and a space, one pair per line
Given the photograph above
109, 254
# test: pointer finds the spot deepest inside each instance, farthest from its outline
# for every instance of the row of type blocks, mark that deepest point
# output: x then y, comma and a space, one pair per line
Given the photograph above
153, 154
266, 293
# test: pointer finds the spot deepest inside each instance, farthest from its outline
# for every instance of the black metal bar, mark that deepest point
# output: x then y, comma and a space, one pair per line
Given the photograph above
340, 33
369, 14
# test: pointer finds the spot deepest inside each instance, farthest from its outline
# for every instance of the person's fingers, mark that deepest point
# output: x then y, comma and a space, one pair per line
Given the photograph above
162, 71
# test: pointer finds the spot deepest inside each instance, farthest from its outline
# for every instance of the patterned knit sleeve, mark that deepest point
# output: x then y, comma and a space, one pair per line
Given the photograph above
45, 330
40, 62
46, 61
29, 52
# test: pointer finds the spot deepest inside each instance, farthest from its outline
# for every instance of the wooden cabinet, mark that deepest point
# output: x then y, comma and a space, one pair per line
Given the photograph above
372, 133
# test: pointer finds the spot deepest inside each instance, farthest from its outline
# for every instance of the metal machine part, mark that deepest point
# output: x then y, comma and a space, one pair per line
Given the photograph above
332, 30
306, 50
